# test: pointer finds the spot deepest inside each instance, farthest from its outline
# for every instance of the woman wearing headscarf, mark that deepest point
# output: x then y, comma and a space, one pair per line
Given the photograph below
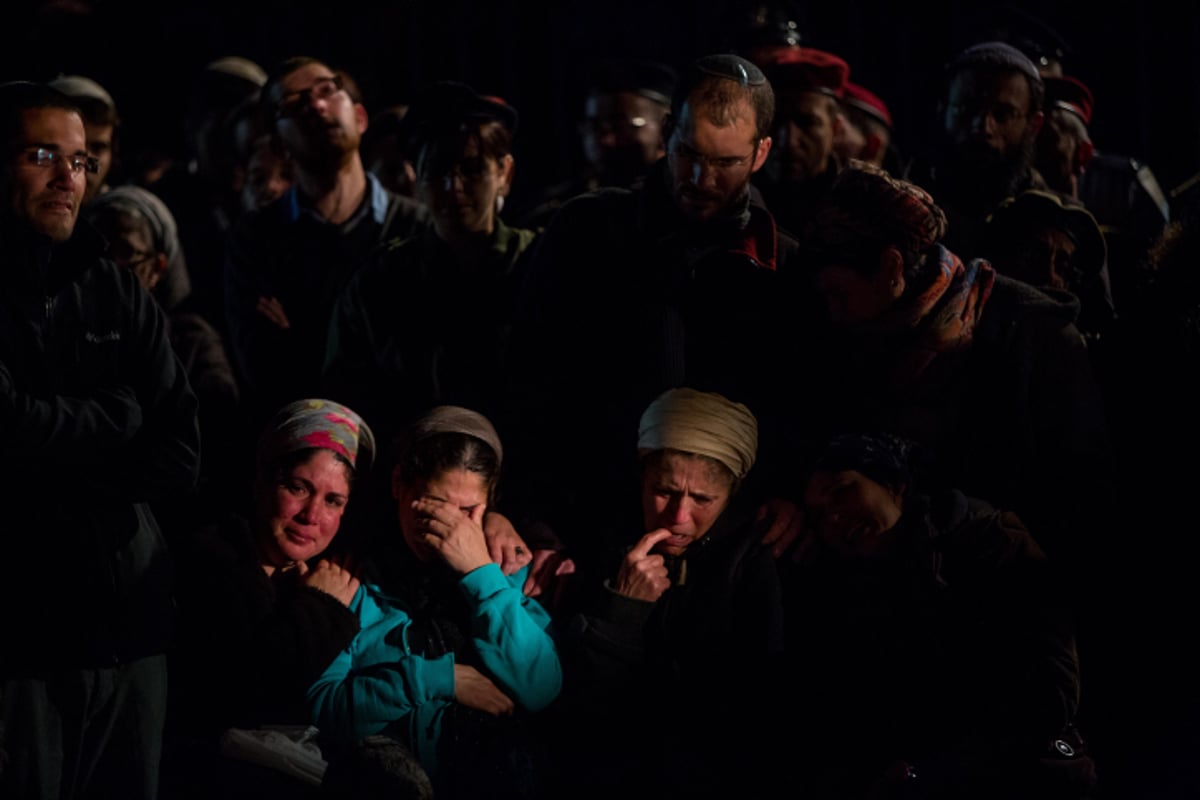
262, 609
662, 661
452, 658
927, 628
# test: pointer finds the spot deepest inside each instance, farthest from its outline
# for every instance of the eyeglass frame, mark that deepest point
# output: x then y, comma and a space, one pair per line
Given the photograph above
292, 102
136, 257
733, 162
1003, 114
46, 158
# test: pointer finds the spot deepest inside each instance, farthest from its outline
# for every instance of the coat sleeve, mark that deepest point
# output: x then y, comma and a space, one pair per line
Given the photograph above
163, 459
375, 682
511, 633
65, 430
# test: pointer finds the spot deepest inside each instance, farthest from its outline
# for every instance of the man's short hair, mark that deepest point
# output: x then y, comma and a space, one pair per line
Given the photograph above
998, 57
280, 71
17, 97
718, 84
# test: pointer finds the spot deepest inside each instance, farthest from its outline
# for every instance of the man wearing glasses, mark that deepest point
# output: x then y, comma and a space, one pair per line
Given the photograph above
287, 261
991, 115
633, 291
96, 421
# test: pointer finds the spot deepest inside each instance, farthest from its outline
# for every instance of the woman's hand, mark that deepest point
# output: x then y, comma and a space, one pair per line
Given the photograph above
548, 576
644, 576
475, 690
505, 545
455, 535
331, 578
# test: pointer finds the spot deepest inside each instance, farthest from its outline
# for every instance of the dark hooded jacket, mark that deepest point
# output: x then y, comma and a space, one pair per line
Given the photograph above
1016, 416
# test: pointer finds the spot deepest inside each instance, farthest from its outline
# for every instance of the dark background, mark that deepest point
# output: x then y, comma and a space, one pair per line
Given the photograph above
1141, 59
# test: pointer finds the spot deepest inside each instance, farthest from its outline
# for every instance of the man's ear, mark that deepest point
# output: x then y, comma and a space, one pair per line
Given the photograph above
891, 270
1084, 151
873, 148
361, 118
760, 153
666, 129
151, 271
507, 168
1035, 123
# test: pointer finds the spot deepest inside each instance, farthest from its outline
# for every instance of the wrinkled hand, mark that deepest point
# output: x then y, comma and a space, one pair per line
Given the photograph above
547, 575
475, 690
643, 576
456, 536
272, 309
330, 577
786, 528
505, 545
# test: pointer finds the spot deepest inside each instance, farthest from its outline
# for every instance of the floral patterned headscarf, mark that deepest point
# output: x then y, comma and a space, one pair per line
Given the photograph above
310, 423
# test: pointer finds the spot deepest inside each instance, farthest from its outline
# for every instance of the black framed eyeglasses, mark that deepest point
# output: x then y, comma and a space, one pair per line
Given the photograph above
127, 256
292, 103
46, 159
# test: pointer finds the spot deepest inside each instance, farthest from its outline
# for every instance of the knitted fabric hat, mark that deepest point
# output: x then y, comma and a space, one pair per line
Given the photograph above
995, 55
730, 67
882, 457
79, 86
1070, 94
807, 69
176, 283
865, 208
867, 102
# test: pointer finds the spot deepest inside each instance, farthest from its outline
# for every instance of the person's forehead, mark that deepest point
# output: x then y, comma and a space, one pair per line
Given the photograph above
994, 83
98, 133
792, 101
698, 122
627, 102
833, 270
819, 483
1056, 236
304, 77
53, 126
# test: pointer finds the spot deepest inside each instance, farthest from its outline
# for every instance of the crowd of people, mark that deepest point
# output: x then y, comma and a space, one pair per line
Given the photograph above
768, 456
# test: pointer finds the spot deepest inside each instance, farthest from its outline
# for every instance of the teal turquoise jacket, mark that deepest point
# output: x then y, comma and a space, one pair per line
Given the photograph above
379, 685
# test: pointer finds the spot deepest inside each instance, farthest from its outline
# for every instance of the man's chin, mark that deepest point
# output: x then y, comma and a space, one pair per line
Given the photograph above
57, 232
698, 207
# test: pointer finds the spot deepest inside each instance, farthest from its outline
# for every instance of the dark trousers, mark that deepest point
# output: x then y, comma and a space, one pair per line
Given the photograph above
84, 733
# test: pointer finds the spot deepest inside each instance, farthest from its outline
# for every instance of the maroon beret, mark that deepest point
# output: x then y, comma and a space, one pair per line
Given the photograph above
868, 102
808, 69
1070, 94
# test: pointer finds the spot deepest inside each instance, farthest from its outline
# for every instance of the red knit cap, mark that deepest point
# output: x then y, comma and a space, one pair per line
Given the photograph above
868, 102
1070, 94
808, 69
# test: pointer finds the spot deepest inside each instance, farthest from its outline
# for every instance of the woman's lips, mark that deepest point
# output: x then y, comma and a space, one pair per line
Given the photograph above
297, 537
